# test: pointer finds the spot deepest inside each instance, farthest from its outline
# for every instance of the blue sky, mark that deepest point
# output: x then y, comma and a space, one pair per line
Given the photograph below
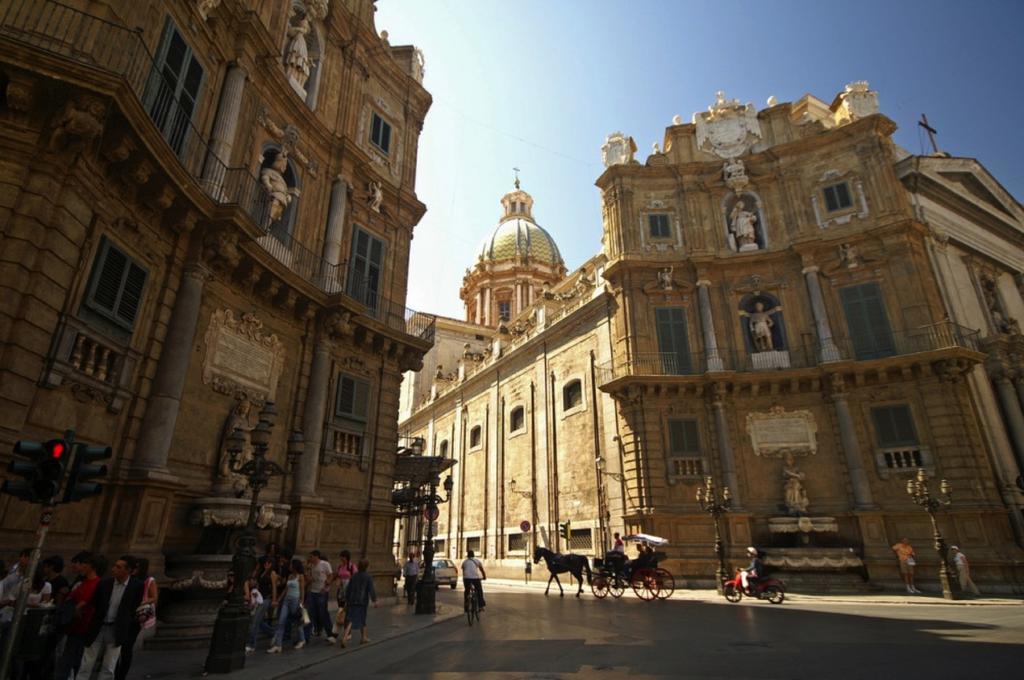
538, 84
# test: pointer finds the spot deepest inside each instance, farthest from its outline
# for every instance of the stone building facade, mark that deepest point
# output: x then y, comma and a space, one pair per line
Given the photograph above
770, 308
206, 206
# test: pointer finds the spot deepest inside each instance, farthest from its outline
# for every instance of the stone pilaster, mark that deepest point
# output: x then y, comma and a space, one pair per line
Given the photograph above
161, 416
707, 323
851, 446
827, 350
727, 458
1010, 402
313, 419
336, 220
218, 157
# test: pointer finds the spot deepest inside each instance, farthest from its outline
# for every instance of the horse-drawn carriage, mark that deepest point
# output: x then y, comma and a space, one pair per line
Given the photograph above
616, 572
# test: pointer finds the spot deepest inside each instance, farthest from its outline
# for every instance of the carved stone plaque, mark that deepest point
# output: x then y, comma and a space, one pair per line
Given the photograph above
240, 357
779, 431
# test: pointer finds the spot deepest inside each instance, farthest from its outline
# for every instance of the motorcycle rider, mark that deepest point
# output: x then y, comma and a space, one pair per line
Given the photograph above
754, 571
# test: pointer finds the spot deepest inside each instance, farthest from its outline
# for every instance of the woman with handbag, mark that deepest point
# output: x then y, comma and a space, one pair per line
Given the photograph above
346, 570
262, 592
290, 606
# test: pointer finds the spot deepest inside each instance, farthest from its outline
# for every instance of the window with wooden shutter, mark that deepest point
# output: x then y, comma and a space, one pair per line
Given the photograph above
172, 92
673, 343
868, 324
380, 133
685, 458
658, 225
367, 267
117, 286
353, 398
837, 197
897, 445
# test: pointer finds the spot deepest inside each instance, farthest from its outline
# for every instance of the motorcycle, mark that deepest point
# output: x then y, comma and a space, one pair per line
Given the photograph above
769, 589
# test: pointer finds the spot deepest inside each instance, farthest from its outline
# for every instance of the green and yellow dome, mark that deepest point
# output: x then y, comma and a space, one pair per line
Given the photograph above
517, 236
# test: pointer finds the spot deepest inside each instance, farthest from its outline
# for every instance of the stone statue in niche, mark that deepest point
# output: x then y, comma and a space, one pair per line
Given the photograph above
1000, 320
793, 486
665, 278
761, 324
272, 179
297, 64
375, 196
743, 227
243, 417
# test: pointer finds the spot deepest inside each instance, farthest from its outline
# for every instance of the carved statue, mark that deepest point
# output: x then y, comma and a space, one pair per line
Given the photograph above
761, 324
375, 196
793, 487
297, 64
735, 174
242, 417
665, 278
742, 224
272, 179
848, 256
81, 120
1000, 320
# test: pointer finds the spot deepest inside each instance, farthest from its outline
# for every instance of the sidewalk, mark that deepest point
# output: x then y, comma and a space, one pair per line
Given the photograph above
709, 595
386, 622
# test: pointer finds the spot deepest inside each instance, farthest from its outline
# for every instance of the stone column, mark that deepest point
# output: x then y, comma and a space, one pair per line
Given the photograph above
313, 419
827, 350
332, 278
223, 137
707, 323
728, 460
1010, 402
161, 416
851, 446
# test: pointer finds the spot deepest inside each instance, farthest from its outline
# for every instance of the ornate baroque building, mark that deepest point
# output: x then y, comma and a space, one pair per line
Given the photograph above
785, 301
206, 206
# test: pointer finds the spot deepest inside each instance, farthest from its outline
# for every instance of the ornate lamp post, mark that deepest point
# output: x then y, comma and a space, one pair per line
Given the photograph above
427, 587
917, 489
716, 507
227, 646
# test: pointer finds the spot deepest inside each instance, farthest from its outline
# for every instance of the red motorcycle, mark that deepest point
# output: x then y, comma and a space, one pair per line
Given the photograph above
769, 589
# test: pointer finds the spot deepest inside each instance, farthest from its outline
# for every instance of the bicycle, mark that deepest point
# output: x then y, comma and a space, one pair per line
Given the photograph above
472, 605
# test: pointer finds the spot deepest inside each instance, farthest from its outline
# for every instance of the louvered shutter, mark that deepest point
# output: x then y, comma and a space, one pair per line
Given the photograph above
683, 437
117, 286
673, 344
894, 426
867, 321
131, 294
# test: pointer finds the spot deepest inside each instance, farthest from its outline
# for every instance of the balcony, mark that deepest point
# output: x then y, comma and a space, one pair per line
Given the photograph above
56, 29
938, 337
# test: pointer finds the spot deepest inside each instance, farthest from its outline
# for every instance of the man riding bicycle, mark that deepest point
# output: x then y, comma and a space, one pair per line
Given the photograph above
472, 575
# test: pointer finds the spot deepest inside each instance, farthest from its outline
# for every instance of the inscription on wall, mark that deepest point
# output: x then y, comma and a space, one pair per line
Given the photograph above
240, 357
778, 432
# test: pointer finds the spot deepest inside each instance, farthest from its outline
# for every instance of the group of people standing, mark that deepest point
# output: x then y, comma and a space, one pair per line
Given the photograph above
289, 598
908, 563
98, 618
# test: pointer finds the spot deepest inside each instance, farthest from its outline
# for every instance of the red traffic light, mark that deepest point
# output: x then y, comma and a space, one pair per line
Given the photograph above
56, 447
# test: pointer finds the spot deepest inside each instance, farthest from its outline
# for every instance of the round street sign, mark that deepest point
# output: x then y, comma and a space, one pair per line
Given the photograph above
524, 526
431, 513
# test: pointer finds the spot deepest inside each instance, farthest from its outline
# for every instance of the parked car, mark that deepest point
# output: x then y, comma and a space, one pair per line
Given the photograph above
445, 571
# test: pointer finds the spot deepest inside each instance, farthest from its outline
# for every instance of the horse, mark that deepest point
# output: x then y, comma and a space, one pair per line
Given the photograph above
559, 564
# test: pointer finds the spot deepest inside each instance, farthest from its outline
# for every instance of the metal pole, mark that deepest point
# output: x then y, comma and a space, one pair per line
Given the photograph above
943, 552
720, 553
26, 586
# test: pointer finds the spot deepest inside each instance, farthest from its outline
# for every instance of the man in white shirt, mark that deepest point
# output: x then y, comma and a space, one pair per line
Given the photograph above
318, 586
472, 576
963, 570
411, 572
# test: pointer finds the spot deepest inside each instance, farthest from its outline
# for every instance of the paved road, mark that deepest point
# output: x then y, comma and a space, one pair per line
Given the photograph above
525, 635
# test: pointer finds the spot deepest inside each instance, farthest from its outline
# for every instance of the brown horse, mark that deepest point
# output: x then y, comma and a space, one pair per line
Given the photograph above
560, 564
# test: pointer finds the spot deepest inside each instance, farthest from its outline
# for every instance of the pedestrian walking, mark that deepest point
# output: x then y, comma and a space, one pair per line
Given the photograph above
346, 570
619, 546
115, 624
264, 584
145, 614
963, 570
318, 587
908, 560
89, 568
358, 595
411, 571
289, 604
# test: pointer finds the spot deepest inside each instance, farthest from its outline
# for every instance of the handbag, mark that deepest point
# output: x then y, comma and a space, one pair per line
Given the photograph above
911, 562
304, 614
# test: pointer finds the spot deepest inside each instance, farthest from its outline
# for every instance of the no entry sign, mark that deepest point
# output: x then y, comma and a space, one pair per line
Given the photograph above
524, 526
431, 513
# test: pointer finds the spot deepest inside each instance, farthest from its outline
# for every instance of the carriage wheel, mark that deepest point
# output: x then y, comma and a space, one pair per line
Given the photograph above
600, 586
644, 584
666, 583
616, 586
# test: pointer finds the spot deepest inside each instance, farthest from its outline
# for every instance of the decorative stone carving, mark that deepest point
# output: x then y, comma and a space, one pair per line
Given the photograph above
857, 101
665, 278
776, 432
318, 9
419, 64
374, 195
272, 179
793, 486
728, 129
735, 174
761, 324
297, 63
743, 235
1000, 320
204, 7
618, 149
243, 417
233, 513
241, 357
81, 121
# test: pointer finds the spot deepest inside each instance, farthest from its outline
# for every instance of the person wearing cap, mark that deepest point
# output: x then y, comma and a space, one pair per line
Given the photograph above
754, 571
963, 570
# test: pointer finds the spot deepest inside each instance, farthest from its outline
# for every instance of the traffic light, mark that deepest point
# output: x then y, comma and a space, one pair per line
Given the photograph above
83, 470
564, 529
42, 477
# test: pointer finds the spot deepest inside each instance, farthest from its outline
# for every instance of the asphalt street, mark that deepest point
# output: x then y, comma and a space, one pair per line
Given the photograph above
524, 634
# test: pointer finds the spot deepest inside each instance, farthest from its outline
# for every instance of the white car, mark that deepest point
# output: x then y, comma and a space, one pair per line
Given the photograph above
445, 571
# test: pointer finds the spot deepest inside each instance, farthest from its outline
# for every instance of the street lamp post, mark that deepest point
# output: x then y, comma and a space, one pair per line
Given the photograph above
227, 646
917, 489
427, 587
716, 507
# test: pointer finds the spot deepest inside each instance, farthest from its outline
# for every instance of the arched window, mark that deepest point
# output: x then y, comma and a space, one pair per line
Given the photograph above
442, 450
517, 419
280, 184
474, 437
572, 395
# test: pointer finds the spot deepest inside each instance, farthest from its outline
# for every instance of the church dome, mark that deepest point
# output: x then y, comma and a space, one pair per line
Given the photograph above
517, 236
